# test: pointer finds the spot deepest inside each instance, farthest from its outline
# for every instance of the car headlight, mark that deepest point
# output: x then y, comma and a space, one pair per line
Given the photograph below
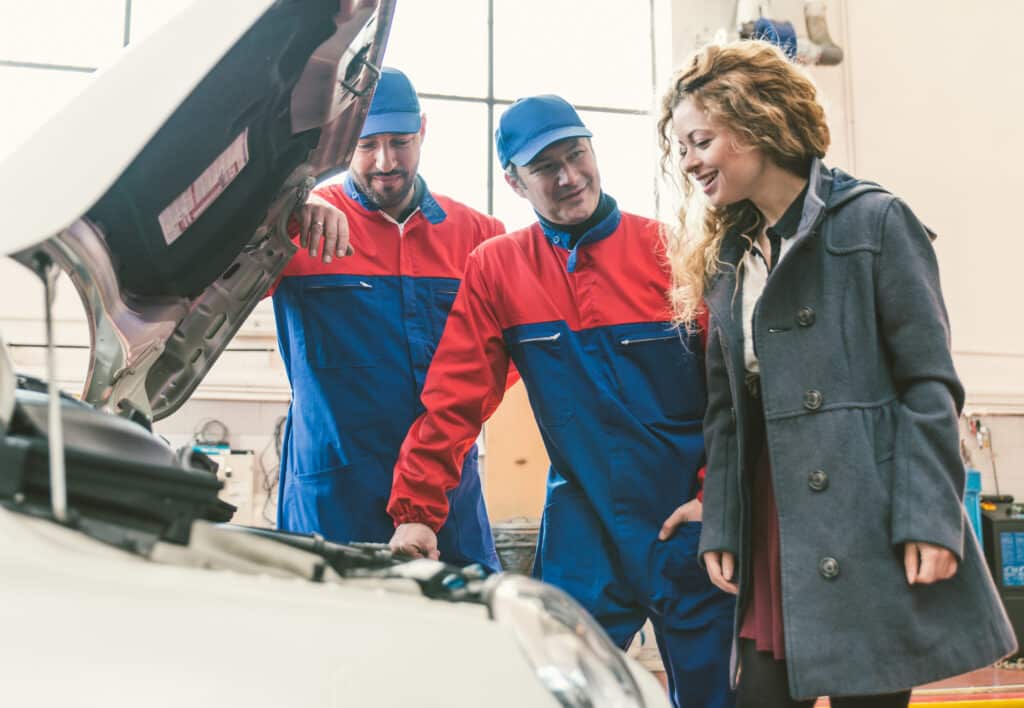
569, 651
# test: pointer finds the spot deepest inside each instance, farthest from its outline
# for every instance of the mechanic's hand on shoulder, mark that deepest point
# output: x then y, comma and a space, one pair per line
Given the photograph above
415, 541
692, 510
721, 567
323, 224
927, 563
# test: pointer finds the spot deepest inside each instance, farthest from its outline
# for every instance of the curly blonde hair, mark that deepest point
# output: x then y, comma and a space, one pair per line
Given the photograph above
751, 89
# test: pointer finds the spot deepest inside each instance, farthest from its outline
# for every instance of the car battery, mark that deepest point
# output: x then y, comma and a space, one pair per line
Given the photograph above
1002, 522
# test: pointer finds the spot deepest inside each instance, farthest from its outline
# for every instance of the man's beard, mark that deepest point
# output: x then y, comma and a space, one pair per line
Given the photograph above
390, 196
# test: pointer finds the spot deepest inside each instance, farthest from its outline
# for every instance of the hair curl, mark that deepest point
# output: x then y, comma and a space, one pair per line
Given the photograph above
752, 90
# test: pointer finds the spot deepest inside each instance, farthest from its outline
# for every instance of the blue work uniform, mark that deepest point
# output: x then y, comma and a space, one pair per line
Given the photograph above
619, 395
357, 336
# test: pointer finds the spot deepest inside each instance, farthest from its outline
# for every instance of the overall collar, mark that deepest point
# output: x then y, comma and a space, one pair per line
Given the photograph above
432, 211
599, 231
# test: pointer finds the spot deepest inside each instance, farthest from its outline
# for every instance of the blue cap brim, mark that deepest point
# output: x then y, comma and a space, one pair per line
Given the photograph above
391, 123
534, 147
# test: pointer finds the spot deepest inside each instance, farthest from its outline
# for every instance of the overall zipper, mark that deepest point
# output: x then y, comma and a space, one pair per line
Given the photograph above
362, 284
644, 340
549, 338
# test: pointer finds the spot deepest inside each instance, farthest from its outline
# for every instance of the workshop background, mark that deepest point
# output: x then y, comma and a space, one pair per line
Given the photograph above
922, 102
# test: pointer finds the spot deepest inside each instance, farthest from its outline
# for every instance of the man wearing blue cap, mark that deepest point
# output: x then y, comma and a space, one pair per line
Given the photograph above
357, 335
578, 303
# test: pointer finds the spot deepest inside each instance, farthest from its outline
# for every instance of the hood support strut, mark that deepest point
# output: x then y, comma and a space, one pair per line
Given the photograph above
48, 271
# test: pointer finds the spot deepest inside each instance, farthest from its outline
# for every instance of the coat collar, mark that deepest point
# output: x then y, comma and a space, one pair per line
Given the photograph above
827, 189
720, 293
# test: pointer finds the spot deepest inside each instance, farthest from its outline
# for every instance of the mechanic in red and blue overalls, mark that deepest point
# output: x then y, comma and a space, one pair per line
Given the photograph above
357, 334
578, 303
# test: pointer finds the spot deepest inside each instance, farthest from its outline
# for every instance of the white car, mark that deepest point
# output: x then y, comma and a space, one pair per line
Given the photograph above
164, 190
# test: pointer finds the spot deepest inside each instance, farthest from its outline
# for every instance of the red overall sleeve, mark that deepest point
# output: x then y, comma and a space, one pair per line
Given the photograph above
466, 382
498, 228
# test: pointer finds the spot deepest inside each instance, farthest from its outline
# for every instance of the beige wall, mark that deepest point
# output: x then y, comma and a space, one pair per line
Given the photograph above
936, 119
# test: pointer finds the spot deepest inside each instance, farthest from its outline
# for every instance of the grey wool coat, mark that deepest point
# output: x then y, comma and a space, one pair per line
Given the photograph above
861, 403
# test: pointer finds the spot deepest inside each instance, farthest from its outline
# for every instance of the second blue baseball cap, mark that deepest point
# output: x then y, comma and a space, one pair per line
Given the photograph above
531, 124
395, 107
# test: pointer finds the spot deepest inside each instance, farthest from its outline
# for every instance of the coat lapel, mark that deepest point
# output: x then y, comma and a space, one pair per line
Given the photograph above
725, 305
819, 189
719, 297
723, 298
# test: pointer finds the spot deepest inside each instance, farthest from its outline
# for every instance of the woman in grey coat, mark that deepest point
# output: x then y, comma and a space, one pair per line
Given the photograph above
833, 498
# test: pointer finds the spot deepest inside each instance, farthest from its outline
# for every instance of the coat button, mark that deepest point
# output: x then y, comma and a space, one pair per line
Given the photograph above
805, 316
813, 399
829, 568
817, 480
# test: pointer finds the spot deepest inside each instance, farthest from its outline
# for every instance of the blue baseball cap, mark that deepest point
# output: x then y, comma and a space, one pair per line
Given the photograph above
395, 107
531, 124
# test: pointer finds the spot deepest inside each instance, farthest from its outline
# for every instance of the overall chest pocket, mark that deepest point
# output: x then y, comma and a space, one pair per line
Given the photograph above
343, 322
660, 372
541, 355
443, 297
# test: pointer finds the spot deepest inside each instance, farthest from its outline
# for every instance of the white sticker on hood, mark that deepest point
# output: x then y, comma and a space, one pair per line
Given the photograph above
190, 204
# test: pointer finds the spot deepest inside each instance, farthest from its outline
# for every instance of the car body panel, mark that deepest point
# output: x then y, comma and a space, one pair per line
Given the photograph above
88, 625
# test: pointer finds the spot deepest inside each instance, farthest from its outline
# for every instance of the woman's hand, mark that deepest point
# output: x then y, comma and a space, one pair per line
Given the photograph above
926, 563
721, 567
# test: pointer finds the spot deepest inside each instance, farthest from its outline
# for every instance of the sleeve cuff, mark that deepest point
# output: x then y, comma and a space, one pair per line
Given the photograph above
402, 512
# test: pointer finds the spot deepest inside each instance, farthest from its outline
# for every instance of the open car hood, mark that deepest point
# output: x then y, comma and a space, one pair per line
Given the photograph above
165, 187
